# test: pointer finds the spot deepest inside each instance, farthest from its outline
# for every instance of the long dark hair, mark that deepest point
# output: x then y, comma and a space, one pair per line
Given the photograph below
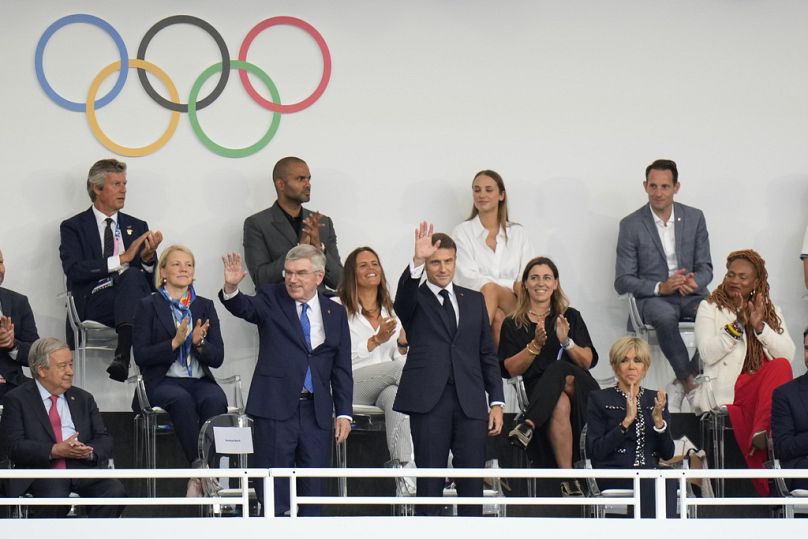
347, 289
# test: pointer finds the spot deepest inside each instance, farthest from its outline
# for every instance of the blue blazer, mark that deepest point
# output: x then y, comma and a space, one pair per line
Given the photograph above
283, 356
434, 353
641, 262
606, 444
26, 436
790, 422
82, 253
155, 328
17, 307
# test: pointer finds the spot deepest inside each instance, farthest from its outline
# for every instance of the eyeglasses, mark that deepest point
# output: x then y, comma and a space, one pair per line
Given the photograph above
301, 274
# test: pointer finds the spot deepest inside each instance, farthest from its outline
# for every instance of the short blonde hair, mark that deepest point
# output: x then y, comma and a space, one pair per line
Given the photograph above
621, 347
158, 281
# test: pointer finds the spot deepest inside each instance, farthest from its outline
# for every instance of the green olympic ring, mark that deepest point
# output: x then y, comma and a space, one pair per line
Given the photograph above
217, 148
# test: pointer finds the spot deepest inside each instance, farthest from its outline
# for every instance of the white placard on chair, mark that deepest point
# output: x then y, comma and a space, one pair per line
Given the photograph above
233, 440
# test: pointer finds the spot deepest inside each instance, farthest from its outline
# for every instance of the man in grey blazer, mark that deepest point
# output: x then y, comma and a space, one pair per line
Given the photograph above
271, 233
663, 259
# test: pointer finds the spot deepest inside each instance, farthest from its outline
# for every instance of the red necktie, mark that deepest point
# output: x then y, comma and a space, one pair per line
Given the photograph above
56, 425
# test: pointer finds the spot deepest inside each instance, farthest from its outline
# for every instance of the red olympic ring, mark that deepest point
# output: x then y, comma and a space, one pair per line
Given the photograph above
306, 27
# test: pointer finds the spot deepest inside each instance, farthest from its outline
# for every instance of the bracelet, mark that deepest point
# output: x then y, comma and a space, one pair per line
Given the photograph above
374, 340
533, 351
568, 343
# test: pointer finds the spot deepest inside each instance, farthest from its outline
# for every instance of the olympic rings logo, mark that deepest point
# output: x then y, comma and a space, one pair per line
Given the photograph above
173, 104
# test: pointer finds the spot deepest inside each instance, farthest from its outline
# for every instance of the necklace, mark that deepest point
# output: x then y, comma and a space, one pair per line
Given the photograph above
538, 316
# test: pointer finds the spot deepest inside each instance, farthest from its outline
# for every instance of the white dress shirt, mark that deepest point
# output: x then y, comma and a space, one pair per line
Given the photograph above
667, 234
478, 264
113, 262
315, 314
361, 331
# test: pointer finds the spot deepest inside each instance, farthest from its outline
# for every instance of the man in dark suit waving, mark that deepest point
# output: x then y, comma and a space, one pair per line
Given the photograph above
108, 258
17, 332
663, 259
303, 374
450, 367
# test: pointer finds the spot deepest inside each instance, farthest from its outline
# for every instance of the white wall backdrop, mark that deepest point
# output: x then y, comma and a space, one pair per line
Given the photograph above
569, 101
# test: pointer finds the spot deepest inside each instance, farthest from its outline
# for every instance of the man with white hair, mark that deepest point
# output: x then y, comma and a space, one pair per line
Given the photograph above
49, 423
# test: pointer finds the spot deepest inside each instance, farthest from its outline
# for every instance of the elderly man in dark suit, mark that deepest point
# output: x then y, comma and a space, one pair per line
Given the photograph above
303, 374
49, 423
17, 332
108, 258
663, 259
269, 234
790, 422
450, 367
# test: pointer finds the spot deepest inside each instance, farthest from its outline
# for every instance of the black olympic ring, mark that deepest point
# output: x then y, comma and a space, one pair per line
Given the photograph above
217, 37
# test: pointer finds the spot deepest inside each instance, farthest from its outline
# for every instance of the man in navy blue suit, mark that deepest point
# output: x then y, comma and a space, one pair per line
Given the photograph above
17, 332
303, 374
108, 258
450, 367
790, 422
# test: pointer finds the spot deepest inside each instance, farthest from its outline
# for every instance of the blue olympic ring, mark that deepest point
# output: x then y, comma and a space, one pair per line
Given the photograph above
40, 50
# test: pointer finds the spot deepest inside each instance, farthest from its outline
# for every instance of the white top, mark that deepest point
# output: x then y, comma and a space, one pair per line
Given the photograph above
361, 331
113, 262
477, 264
723, 356
804, 253
667, 235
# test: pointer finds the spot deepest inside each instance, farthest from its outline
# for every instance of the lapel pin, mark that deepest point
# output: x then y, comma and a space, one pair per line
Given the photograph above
129, 231
72, 397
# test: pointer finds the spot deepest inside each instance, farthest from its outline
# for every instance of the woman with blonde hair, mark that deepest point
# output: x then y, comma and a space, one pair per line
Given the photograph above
177, 341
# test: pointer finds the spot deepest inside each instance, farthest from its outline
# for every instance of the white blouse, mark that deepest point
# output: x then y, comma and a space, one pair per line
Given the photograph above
361, 332
477, 264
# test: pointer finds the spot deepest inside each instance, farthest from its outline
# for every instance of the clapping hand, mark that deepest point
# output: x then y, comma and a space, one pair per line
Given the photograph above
423, 244
200, 331
71, 448
386, 329
233, 272
150, 244
660, 401
181, 335
540, 335
756, 310
562, 328
131, 252
6, 333
310, 229
689, 285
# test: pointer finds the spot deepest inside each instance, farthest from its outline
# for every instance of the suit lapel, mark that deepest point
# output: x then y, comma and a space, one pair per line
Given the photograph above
327, 311
678, 230
433, 302
163, 309
38, 407
289, 309
5, 303
75, 414
650, 225
803, 390
91, 231
282, 225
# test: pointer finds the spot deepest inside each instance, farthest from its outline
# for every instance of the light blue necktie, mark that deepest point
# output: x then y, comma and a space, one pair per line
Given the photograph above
306, 325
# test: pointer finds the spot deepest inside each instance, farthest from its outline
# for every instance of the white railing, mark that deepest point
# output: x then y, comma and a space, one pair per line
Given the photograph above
268, 476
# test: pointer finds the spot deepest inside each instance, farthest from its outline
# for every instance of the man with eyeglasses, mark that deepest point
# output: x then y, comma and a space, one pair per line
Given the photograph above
663, 259
303, 372
269, 234
108, 258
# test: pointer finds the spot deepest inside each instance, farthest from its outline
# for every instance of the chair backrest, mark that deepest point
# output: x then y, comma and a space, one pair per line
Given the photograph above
211, 458
518, 384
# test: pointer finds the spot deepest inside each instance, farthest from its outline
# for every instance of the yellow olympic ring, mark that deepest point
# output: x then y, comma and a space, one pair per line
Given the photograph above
93, 121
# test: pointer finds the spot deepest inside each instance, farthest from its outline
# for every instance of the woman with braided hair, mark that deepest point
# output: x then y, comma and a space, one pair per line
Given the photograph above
747, 352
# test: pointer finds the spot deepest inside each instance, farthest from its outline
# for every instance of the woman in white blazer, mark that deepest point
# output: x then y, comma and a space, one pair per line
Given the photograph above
747, 352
